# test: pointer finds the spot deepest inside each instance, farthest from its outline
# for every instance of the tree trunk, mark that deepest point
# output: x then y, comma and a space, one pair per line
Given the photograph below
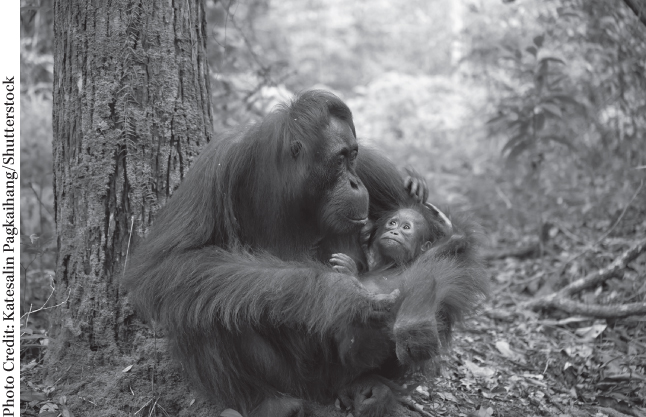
131, 111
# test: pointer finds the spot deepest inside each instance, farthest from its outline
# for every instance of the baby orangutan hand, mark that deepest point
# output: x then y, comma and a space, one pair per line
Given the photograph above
344, 264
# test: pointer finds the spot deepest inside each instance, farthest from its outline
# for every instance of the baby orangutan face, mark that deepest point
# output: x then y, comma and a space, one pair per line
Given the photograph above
401, 238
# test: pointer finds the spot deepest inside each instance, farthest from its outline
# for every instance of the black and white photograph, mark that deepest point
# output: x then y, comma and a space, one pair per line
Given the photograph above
323, 208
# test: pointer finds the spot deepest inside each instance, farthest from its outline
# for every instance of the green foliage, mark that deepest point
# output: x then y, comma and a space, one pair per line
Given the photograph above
612, 47
566, 82
37, 239
36, 42
245, 77
561, 81
533, 111
343, 45
427, 122
37, 228
261, 51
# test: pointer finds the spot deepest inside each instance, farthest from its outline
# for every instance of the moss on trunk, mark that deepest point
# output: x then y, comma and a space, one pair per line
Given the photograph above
131, 111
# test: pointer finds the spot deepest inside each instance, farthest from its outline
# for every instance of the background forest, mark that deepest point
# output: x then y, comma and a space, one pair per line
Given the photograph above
530, 115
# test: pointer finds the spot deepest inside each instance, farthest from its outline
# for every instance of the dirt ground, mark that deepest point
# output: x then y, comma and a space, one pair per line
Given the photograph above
506, 361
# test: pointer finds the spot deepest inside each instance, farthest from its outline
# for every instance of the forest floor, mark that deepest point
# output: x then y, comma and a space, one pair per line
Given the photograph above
506, 361
510, 361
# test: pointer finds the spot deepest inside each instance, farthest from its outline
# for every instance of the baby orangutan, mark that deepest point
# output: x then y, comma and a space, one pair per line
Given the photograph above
430, 304
399, 238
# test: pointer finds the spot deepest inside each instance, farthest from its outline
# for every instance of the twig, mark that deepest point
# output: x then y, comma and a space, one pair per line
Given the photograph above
611, 412
547, 364
91, 402
603, 274
31, 185
64, 375
142, 407
152, 408
503, 197
163, 409
152, 379
560, 299
132, 222
413, 406
263, 68
569, 234
28, 313
595, 310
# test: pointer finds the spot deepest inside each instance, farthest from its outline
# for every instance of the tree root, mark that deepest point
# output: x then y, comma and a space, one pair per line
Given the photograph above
561, 299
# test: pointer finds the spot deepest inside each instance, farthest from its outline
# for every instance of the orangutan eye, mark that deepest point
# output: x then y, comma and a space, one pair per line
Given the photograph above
407, 227
392, 223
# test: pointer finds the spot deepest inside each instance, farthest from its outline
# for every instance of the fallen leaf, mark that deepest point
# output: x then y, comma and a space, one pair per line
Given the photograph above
48, 407
447, 396
66, 412
478, 371
572, 320
592, 332
30, 396
28, 366
504, 348
483, 412
423, 390
582, 351
229, 412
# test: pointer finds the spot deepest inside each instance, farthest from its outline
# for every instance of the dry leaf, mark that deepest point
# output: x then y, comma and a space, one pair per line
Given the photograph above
229, 412
592, 332
478, 371
504, 348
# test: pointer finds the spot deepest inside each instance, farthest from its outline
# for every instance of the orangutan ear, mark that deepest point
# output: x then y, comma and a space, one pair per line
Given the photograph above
426, 246
296, 147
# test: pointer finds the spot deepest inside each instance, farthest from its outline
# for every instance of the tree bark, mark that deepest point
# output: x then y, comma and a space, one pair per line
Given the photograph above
131, 110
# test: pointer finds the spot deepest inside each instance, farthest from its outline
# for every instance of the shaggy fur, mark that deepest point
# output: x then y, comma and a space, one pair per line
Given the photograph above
436, 291
231, 266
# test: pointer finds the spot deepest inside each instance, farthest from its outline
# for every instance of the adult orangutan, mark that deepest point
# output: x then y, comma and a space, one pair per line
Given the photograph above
233, 265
